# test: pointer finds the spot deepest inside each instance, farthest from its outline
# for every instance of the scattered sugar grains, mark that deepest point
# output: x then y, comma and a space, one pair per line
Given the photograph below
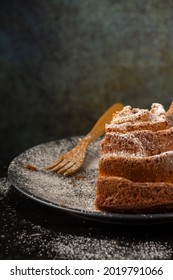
77, 191
35, 241
41, 243
72, 247
26, 239
4, 187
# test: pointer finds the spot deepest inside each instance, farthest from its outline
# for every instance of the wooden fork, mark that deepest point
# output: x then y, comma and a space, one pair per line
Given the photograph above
70, 162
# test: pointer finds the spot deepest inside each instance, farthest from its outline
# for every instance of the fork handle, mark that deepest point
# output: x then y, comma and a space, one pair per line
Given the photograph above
99, 127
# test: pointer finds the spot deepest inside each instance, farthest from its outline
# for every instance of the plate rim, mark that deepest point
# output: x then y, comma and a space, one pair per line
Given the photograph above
97, 215
121, 218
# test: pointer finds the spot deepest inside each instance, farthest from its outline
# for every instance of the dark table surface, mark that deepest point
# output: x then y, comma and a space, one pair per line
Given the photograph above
30, 230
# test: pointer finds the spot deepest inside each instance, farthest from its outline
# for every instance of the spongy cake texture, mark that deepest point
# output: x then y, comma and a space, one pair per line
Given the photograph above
136, 163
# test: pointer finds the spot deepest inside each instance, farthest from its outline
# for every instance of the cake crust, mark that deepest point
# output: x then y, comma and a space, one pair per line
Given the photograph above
156, 168
116, 194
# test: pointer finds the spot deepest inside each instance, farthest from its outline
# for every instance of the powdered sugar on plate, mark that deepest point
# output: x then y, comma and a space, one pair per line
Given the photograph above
75, 193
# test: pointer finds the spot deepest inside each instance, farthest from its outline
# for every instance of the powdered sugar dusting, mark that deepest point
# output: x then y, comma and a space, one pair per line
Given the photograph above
113, 249
4, 187
30, 233
77, 191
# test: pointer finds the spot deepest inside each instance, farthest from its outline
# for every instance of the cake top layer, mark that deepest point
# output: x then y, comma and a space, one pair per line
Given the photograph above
129, 119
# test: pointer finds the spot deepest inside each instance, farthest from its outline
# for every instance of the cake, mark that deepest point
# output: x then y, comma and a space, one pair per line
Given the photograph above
135, 171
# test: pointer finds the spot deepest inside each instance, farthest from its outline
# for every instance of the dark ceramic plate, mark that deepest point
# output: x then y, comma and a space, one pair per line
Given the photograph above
75, 194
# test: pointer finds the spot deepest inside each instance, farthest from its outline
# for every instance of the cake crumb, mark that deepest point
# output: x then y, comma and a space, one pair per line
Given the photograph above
31, 167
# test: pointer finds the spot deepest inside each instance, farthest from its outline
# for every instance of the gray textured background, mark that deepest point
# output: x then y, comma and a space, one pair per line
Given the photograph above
63, 62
